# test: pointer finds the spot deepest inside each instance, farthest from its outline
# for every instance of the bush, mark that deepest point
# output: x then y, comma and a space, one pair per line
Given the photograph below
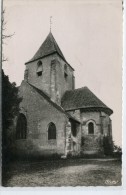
117, 152
107, 146
10, 109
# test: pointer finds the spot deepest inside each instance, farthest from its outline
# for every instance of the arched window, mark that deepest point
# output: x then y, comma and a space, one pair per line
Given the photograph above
39, 68
21, 127
90, 128
51, 131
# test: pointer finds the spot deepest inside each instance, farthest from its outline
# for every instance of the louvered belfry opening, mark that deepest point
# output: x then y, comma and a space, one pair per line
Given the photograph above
39, 68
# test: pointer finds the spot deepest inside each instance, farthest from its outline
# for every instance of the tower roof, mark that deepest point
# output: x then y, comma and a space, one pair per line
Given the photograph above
49, 46
83, 98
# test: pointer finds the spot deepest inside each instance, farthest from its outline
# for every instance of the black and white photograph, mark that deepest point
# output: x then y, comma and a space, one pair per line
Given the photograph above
62, 93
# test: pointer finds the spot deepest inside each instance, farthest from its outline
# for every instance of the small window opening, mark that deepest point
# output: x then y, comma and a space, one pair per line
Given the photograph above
39, 73
39, 68
65, 72
65, 76
51, 131
90, 128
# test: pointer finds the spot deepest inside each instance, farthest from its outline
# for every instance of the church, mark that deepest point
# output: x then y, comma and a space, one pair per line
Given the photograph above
55, 118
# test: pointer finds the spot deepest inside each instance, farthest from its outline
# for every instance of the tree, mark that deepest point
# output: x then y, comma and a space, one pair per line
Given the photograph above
117, 151
10, 109
10, 102
4, 35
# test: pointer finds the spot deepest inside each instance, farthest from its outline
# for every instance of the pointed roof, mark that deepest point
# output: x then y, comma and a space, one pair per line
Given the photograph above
83, 98
48, 47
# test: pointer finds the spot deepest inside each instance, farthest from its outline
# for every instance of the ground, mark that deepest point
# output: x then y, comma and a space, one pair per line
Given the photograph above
70, 172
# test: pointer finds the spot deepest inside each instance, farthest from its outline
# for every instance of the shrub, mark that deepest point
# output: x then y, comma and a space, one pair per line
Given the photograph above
107, 145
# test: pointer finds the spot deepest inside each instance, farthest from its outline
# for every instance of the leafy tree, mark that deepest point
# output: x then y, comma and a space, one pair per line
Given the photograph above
10, 100
10, 108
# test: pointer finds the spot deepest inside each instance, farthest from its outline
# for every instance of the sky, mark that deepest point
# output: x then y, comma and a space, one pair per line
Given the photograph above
88, 32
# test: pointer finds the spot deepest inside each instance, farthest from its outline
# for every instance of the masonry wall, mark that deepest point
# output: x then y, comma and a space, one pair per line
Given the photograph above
106, 124
41, 82
45, 81
75, 141
93, 143
68, 83
39, 113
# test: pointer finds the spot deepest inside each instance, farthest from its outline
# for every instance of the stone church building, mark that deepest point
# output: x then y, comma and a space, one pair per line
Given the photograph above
56, 118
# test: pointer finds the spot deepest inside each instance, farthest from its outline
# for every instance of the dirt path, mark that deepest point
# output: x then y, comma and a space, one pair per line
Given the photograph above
73, 172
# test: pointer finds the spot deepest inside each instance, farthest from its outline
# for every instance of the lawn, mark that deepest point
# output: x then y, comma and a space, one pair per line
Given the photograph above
70, 172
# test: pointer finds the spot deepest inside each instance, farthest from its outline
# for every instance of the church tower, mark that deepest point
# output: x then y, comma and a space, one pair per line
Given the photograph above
49, 71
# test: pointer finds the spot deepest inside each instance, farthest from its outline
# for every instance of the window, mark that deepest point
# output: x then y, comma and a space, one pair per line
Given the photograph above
65, 71
90, 128
21, 127
39, 68
51, 131
73, 129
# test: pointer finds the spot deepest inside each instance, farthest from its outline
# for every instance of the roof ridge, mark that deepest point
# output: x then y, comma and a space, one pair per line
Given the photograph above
56, 45
77, 89
53, 103
39, 90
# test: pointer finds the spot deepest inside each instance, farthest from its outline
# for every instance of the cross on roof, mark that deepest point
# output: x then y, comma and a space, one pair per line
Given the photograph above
50, 22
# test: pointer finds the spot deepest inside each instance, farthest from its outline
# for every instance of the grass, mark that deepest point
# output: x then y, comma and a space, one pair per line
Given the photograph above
70, 172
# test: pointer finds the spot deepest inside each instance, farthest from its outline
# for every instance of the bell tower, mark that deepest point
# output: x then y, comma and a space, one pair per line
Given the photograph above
49, 71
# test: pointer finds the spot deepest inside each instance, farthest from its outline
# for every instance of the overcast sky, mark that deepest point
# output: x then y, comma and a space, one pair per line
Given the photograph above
89, 33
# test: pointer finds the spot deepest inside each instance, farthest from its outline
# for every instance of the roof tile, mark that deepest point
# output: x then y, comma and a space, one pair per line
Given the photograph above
82, 98
48, 47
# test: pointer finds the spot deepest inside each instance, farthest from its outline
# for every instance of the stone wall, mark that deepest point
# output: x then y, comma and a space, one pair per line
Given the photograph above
39, 113
76, 141
47, 80
68, 83
106, 124
73, 142
93, 143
